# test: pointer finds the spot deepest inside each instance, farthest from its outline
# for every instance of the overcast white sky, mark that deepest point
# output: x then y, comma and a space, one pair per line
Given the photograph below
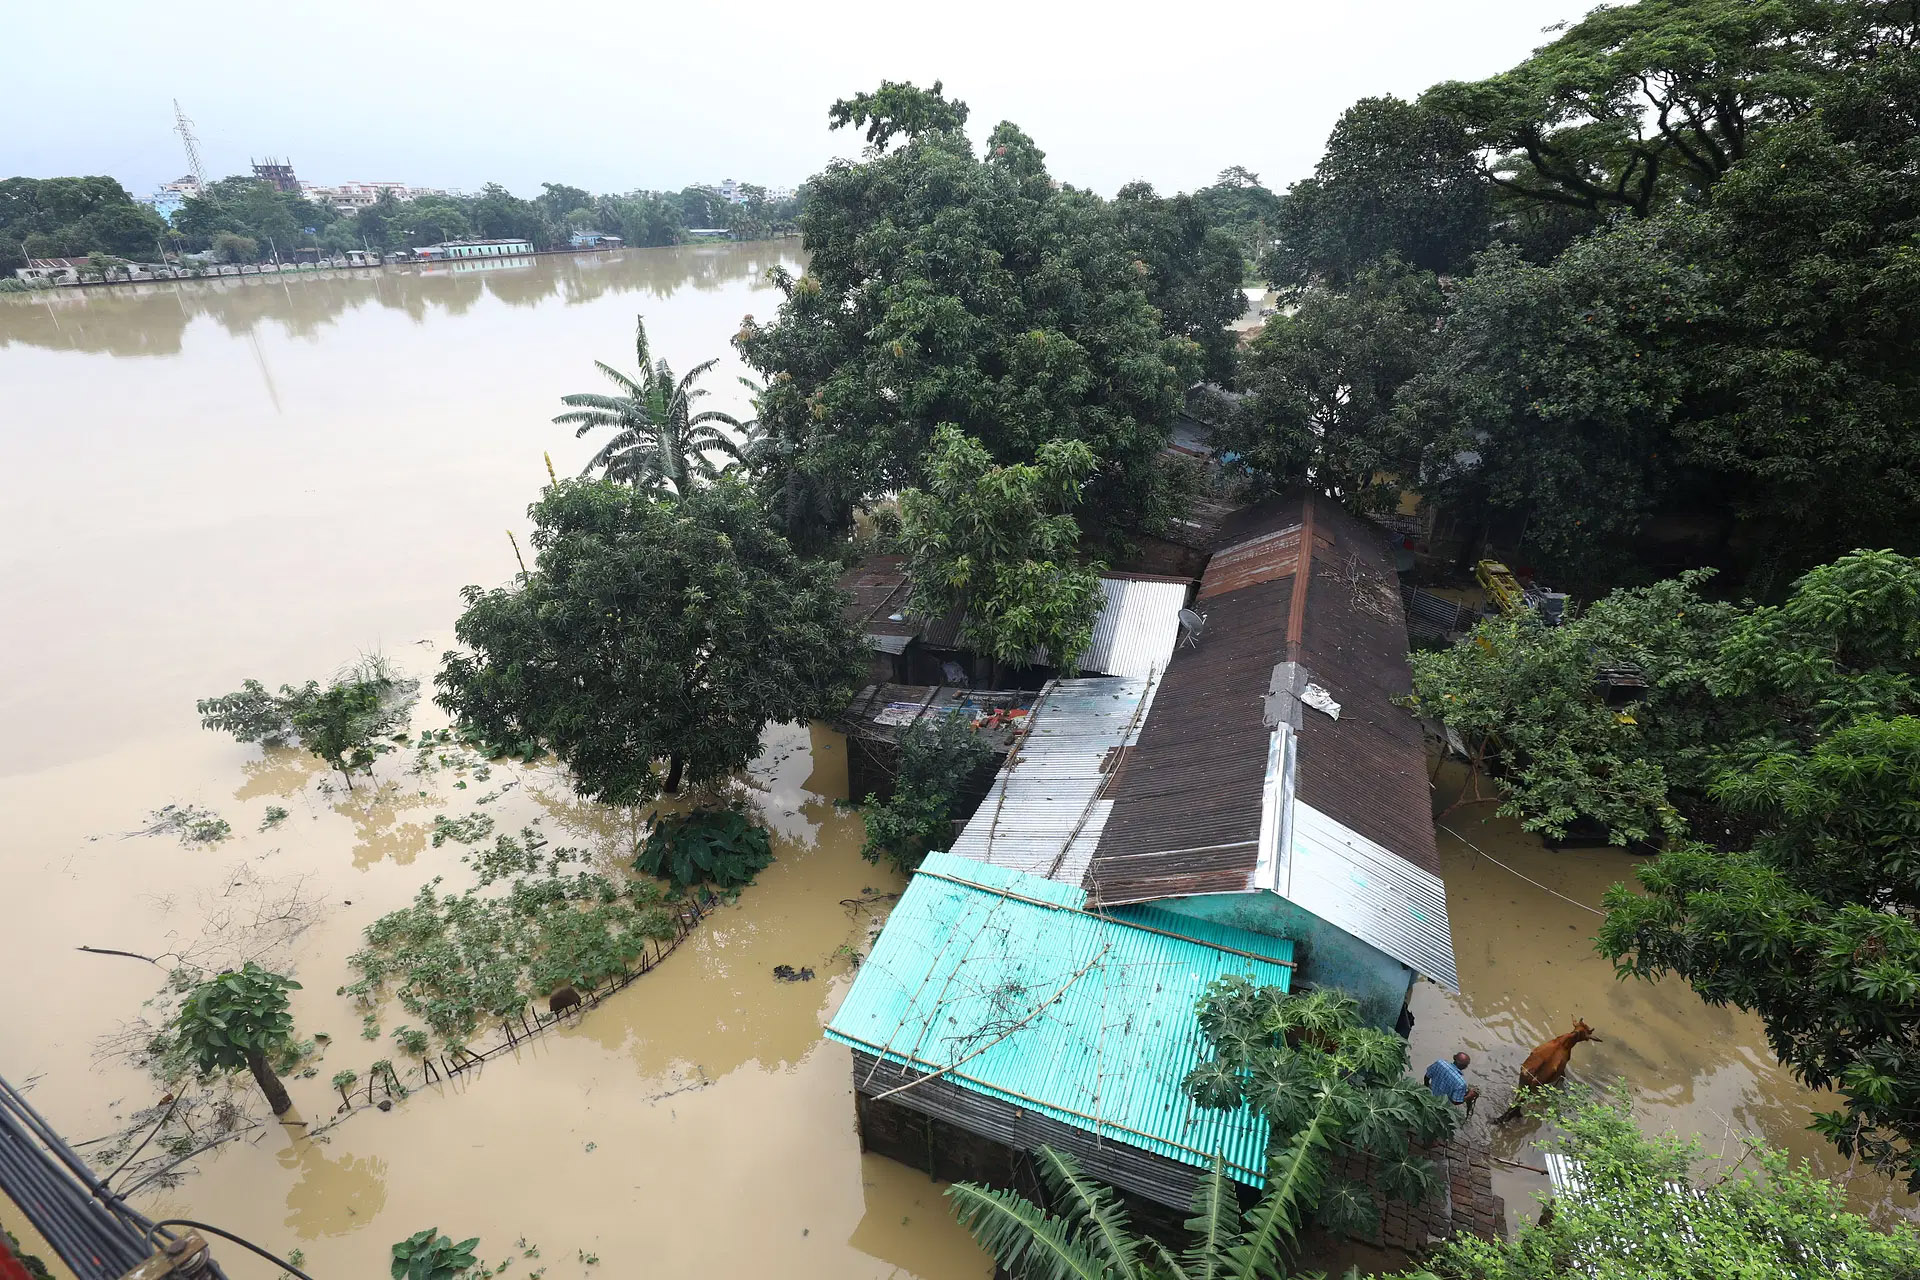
613, 96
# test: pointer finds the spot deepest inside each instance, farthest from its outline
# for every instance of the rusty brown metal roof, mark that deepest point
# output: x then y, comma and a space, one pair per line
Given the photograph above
1187, 801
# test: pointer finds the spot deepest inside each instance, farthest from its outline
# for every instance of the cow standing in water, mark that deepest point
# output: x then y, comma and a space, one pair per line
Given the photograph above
1548, 1063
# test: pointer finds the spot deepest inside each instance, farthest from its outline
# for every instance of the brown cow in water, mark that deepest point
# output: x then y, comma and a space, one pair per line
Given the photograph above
1548, 1063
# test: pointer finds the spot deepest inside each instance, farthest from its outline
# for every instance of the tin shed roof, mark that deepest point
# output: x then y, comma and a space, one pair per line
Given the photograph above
1138, 626
1240, 783
1045, 811
998, 980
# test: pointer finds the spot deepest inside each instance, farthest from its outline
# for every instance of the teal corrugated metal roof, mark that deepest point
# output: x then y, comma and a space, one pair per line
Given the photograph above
972, 949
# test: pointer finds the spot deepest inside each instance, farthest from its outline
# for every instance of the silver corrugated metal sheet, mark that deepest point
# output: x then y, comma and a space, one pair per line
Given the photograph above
1044, 814
993, 977
1369, 891
1137, 628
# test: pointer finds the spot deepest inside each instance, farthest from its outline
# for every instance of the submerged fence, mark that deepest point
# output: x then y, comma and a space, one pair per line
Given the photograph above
451, 1062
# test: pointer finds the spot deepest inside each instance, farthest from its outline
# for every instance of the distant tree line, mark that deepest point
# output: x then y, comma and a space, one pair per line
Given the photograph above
246, 219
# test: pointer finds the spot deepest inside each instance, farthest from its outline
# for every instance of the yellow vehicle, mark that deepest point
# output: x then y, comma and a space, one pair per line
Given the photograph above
1500, 585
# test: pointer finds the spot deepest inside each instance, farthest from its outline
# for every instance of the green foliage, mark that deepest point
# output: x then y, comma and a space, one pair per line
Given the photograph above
1776, 1220
993, 541
234, 1015
1637, 106
898, 108
1813, 928
456, 959
650, 630
1193, 270
1527, 701
1556, 389
428, 1255
1238, 204
411, 1041
71, 218
1327, 1084
1321, 385
347, 723
276, 815
192, 824
949, 289
937, 757
659, 444
717, 847
1811, 408
471, 828
1397, 181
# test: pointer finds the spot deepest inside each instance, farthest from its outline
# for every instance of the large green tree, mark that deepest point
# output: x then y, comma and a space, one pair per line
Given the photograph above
1811, 403
997, 545
1321, 384
1396, 180
650, 631
1553, 398
944, 287
73, 217
1192, 268
1638, 105
1240, 205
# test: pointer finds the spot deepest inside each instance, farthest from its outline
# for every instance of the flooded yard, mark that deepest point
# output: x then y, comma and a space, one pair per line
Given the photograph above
216, 481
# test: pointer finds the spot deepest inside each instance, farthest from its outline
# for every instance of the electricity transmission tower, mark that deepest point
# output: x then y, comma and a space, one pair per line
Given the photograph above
184, 127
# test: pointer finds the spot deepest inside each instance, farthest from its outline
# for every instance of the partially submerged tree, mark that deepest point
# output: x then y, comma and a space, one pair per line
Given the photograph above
239, 1019
938, 756
650, 631
996, 543
659, 444
347, 723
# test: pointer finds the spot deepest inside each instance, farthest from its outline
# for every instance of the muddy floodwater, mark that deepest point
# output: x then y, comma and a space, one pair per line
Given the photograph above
212, 481
207, 482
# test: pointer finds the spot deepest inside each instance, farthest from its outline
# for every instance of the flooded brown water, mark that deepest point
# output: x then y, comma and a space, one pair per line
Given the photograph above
1528, 969
213, 481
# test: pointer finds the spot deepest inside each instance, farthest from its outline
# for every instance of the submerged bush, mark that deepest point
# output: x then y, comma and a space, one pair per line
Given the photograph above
937, 756
717, 847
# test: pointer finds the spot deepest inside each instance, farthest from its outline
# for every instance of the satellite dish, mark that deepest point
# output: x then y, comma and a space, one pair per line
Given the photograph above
1191, 625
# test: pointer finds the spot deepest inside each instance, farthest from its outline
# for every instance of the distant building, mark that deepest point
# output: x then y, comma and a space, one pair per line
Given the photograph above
594, 240
730, 191
451, 250
351, 197
709, 233
278, 172
170, 197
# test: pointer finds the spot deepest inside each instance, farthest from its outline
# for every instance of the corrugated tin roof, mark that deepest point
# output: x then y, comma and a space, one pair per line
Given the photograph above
997, 975
1044, 813
1357, 885
1229, 761
1138, 626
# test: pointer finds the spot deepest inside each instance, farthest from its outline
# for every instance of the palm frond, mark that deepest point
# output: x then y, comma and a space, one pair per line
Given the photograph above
1093, 1209
640, 352
1214, 1224
1021, 1237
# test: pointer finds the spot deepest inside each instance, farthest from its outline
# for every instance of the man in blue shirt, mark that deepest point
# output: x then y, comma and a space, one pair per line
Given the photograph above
1448, 1080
